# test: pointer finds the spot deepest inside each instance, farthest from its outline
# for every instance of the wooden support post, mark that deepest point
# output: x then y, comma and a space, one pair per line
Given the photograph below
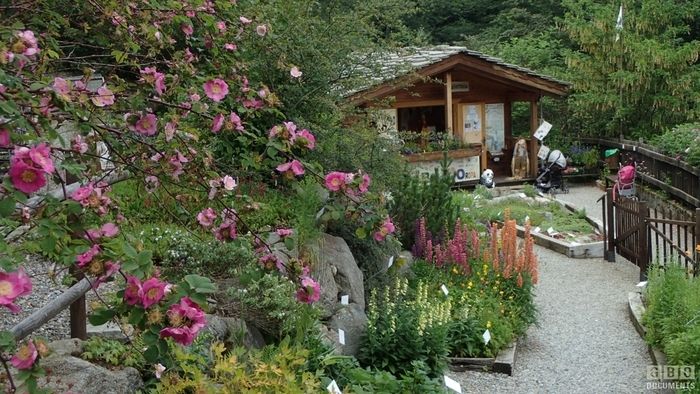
449, 122
644, 255
78, 313
534, 124
696, 237
610, 227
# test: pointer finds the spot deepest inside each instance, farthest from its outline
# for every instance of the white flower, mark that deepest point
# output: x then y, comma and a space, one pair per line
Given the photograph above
159, 369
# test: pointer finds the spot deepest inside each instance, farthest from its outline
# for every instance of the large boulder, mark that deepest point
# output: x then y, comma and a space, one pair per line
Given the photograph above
232, 329
66, 373
338, 275
353, 321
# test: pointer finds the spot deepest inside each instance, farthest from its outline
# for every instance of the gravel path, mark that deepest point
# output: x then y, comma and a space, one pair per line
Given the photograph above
584, 341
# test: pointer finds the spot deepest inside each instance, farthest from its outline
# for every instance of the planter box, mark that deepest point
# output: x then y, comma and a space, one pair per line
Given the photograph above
504, 362
464, 163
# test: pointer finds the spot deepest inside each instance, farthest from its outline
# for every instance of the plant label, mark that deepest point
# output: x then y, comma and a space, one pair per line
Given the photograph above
536, 230
487, 336
345, 300
452, 384
444, 289
333, 388
642, 284
527, 218
391, 262
341, 336
551, 231
543, 130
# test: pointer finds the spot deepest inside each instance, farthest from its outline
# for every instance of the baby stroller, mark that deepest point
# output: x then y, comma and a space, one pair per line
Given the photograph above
624, 187
549, 177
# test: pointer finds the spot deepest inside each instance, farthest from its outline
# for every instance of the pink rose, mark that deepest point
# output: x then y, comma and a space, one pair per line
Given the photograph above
335, 181
104, 97
25, 178
147, 125
25, 356
152, 291
294, 168
186, 319
217, 123
206, 217
216, 89
294, 72
310, 290
12, 286
133, 291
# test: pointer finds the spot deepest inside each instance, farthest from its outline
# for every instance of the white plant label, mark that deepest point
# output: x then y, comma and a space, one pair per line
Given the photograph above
642, 284
536, 230
444, 289
543, 130
550, 231
345, 300
333, 388
487, 336
341, 336
391, 262
452, 384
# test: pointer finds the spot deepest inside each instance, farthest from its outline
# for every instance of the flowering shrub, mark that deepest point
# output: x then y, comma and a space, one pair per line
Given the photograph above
174, 109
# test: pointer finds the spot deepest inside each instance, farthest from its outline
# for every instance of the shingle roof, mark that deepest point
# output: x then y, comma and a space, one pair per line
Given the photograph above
394, 64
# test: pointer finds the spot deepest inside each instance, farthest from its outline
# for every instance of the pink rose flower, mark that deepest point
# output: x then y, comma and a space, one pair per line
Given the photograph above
78, 144
84, 259
25, 178
62, 88
294, 168
229, 182
310, 290
157, 79
186, 319
13, 285
364, 186
284, 232
27, 44
104, 97
82, 193
221, 25
110, 268
152, 291
385, 229
294, 72
261, 30
230, 46
5, 140
216, 89
236, 122
227, 230
147, 125
187, 29
25, 356
245, 20
335, 181
109, 230
305, 139
217, 123
133, 291
41, 156
206, 217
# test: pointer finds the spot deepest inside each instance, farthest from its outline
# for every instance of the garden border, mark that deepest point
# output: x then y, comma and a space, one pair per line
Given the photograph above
504, 362
636, 311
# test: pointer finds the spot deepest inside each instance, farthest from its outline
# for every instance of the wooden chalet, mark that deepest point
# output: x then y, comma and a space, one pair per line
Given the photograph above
463, 95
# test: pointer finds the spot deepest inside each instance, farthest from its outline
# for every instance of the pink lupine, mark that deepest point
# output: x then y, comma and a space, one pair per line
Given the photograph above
292, 168
216, 89
152, 291
13, 285
206, 217
25, 357
335, 181
310, 290
186, 319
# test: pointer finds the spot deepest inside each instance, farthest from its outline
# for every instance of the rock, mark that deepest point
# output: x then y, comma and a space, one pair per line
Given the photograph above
65, 373
330, 339
353, 321
108, 330
338, 274
234, 330
66, 347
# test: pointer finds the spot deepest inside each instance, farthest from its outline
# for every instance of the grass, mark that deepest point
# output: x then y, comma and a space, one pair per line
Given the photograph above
477, 208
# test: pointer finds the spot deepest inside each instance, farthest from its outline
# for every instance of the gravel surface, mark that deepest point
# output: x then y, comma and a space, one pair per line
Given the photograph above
584, 341
43, 290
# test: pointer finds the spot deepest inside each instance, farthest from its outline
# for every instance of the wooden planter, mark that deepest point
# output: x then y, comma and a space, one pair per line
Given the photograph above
502, 363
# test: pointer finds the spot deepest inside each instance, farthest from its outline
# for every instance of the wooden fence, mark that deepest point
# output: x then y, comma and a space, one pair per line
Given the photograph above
656, 235
671, 175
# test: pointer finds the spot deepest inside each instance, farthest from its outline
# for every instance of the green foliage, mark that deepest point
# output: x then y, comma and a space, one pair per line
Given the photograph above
430, 198
179, 252
405, 325
641, 83
683, 142
268, 301
672, 315
114, 352
530, 191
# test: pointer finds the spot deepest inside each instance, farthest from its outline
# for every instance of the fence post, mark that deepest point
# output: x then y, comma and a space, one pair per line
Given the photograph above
696, 237
610, 227
644, 255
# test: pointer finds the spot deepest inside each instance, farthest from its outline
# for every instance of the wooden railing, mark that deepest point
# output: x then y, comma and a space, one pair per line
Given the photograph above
669, 174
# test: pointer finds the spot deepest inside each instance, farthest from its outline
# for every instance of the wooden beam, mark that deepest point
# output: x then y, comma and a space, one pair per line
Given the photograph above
448, 102
534, 124
50, 310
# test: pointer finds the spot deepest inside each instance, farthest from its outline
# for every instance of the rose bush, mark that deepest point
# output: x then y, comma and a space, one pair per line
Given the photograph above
164, 98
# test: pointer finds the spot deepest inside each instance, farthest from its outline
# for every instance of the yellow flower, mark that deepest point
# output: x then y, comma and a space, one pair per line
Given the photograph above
488, 324
469, 285
500, 292
510, 297
454, 270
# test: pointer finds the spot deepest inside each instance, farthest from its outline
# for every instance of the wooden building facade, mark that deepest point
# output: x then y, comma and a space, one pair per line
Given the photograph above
463, 95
